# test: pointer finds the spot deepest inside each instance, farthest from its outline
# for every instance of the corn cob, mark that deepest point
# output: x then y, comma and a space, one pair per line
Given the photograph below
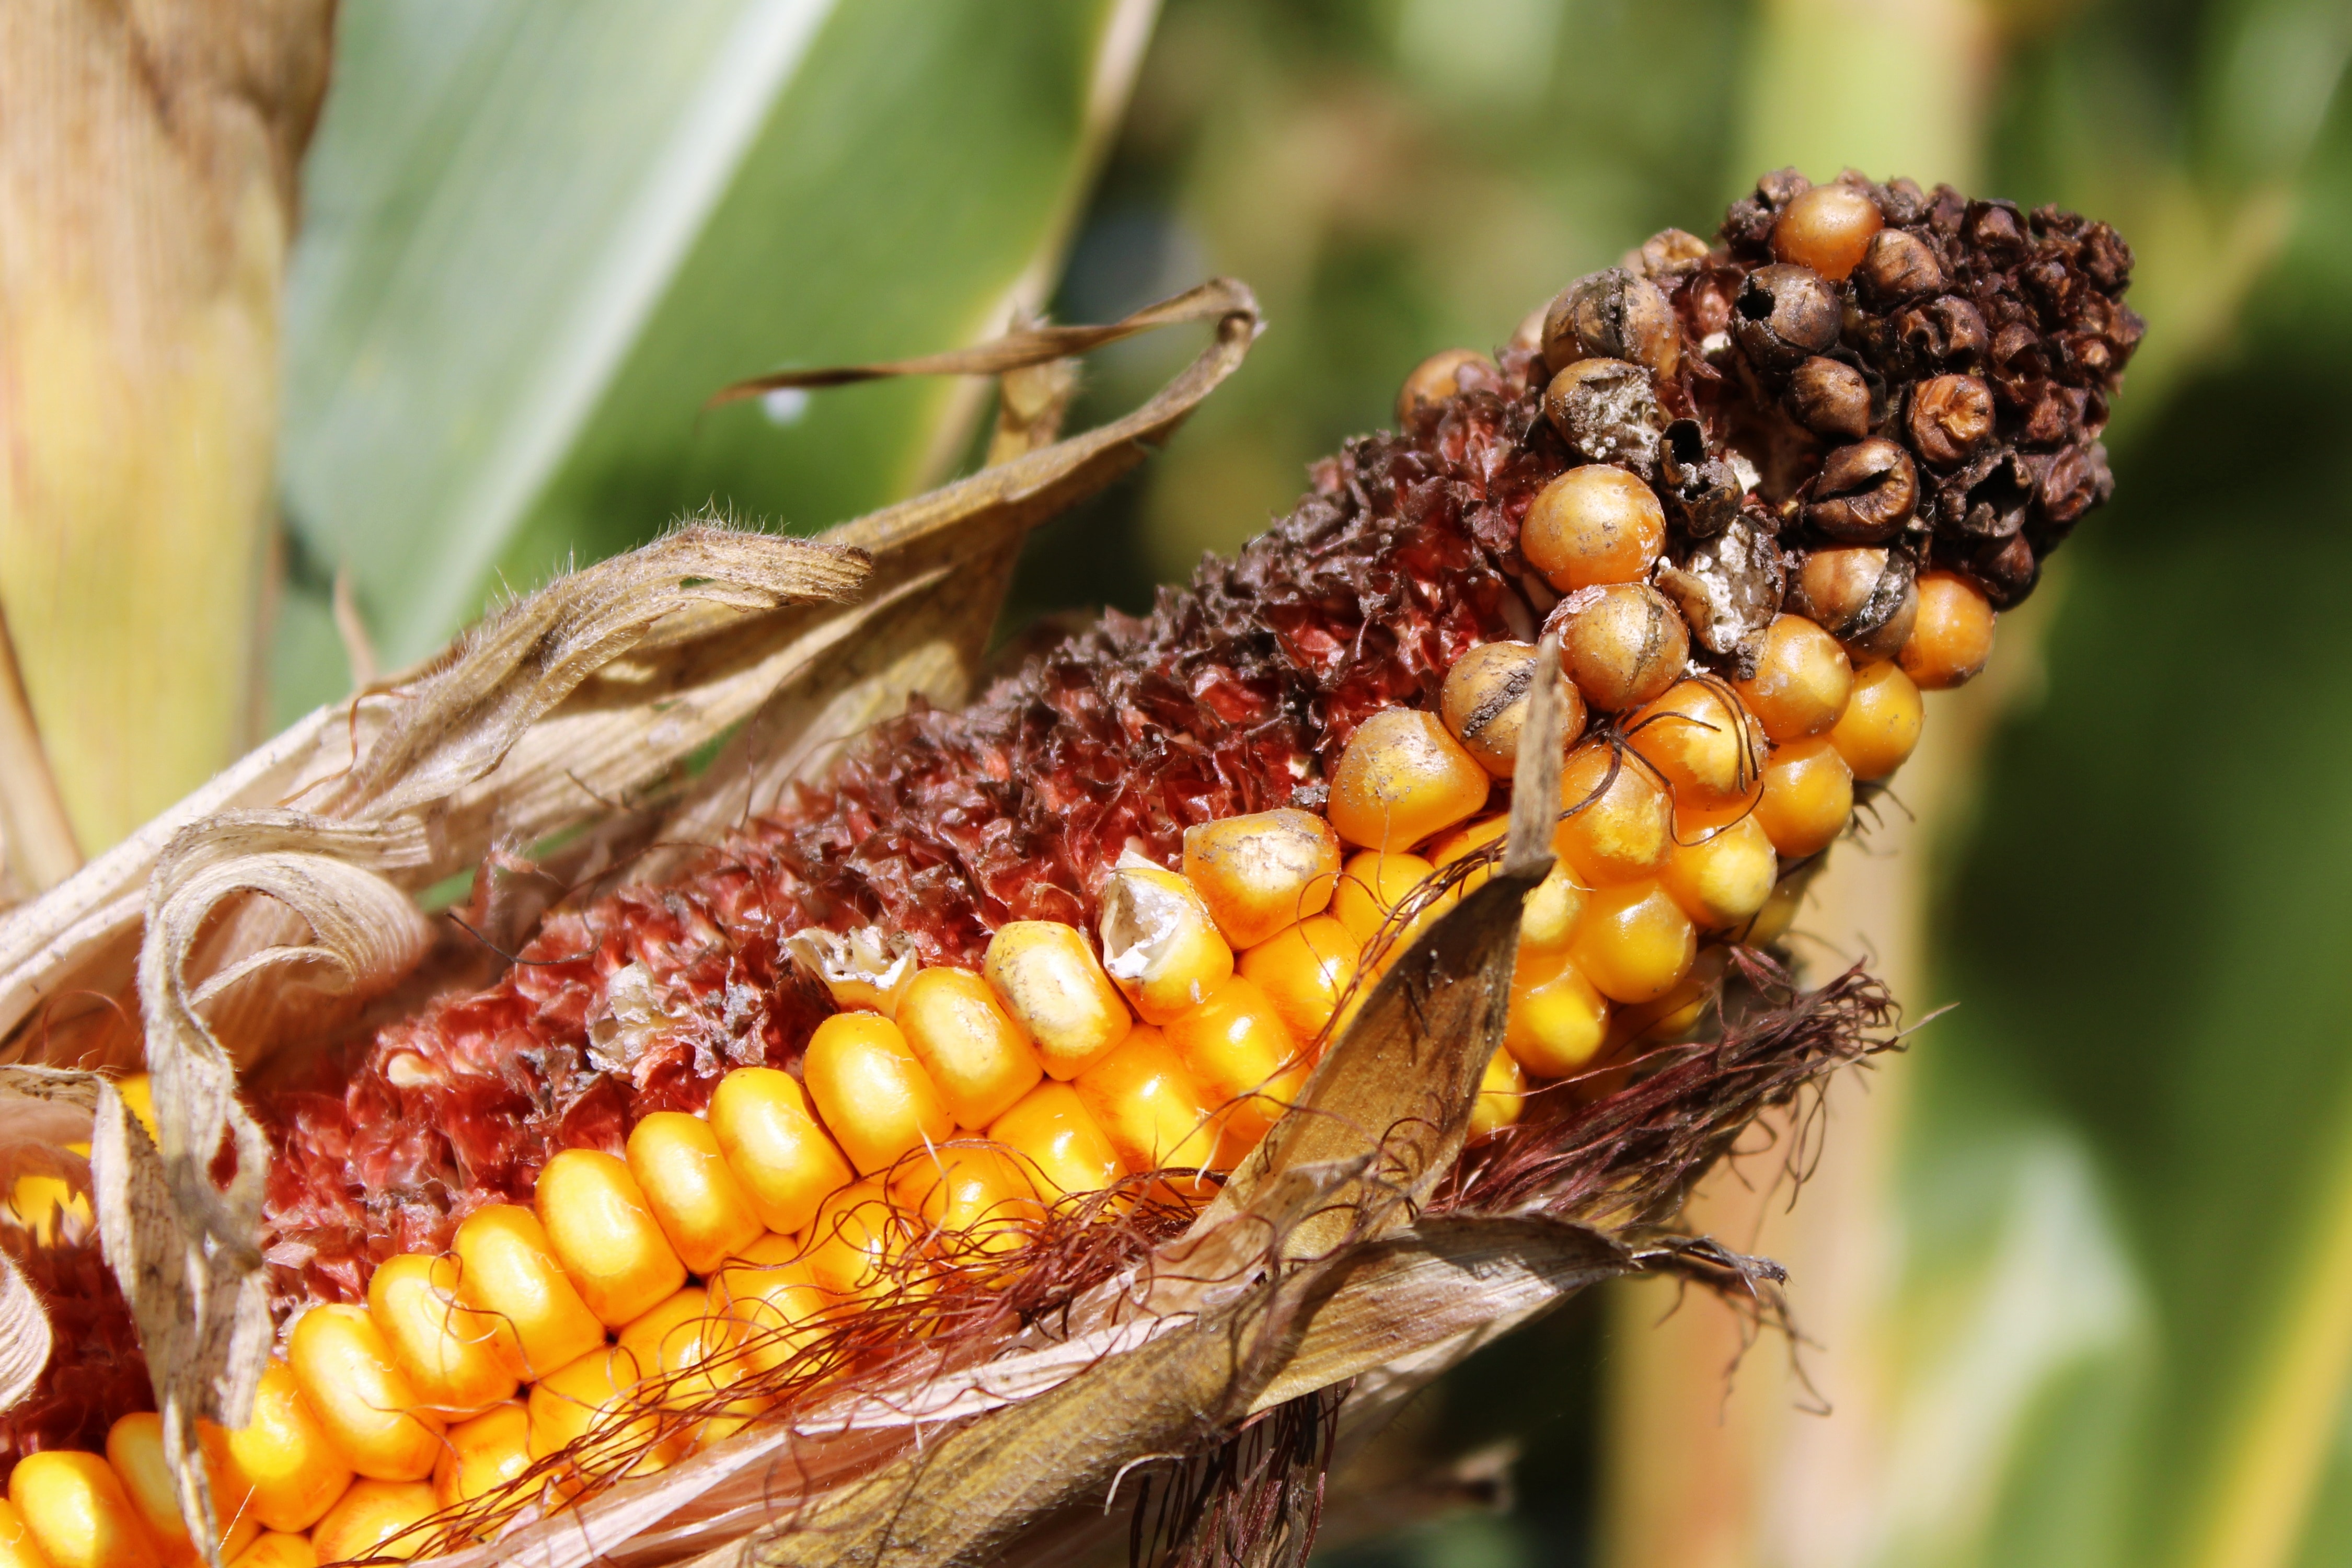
1066, 957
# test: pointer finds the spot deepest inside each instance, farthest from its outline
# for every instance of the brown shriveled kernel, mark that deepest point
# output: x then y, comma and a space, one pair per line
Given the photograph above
1622, 645
1953, 636
1945, 332
1863, 597
1435, 380
1831, 399
1702, 490
1864, 493
1593, 525
1728, 588
1951, 417
1671, 252
1606, 412
1612, 314
1897, 267
1802, 682
1881, 722
1828, 229
1782, 315
1698, 740
1485, 702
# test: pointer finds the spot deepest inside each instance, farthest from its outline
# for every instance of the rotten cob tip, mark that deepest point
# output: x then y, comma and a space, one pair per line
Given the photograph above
1762, 492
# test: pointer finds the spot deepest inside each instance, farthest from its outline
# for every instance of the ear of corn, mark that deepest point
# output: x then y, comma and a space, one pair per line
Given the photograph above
1009, 998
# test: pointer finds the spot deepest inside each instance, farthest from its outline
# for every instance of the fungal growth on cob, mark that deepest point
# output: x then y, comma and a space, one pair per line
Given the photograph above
1198, 979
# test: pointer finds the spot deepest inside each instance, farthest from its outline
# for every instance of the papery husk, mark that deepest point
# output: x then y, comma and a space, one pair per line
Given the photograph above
1320, 1290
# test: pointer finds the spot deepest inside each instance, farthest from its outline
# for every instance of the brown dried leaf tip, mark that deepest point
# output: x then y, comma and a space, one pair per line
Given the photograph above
1109, 1072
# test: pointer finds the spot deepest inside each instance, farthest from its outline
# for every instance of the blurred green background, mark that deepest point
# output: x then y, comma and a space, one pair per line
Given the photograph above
2102, 1286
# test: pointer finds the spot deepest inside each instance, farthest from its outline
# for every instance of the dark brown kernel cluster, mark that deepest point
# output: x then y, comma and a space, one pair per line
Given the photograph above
1984, 339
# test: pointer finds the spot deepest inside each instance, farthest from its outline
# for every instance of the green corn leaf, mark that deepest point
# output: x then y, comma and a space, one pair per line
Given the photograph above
540, 231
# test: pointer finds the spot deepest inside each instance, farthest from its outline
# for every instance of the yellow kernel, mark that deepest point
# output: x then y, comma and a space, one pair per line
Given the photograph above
1435, 380
366, 1405
775, 1145
1062, 1149
602, 1231
1304, 972
865, 968
683, 1352
874, 1097
451, 1355
703, 1209
285, 1455
377, 1519
1807, 796
1049, 982
19, 1549
1953, 636
509, 1271
49, 1206
1261, 872
274, 1549
1557, 1020
1502, 1095
1620, 824
857, 1242
1466, 841
1676, 1014
972, 1047
1150, 1106
1401, 778
1779, 912
1880, 724
1245, 1058
138, 1092
589, 1412
1697, 738
135, 1447
1635, 942
1159, 942
485, 1455
1375, 886
773, 1300
1548, 920
74, 1506
1594, 524
971, 1196
1725, 877
1802, 682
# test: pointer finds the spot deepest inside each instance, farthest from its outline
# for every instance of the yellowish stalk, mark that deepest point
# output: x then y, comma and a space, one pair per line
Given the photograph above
37, 845
2278, 1441
147, 165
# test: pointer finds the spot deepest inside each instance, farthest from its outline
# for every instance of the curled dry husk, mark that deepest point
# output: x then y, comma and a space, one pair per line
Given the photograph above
1207, 1383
